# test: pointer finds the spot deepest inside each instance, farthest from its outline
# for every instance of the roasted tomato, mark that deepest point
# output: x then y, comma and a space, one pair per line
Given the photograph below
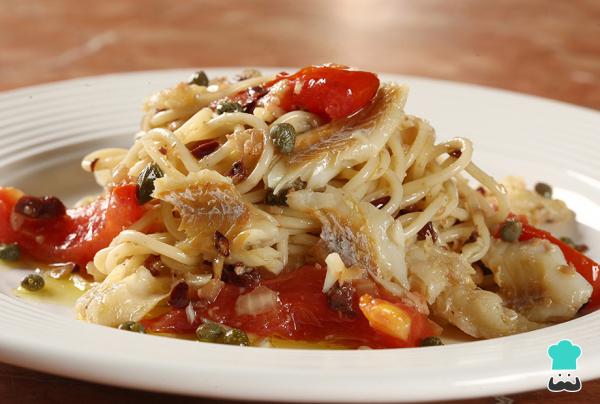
303, 313
330, 91
73, 236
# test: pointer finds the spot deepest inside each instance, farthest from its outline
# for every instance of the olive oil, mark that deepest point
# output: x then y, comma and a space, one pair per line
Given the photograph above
291, 344
64, 291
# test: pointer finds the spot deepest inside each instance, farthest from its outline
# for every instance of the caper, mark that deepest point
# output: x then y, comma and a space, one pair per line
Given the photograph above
511, 230
228, 106
33, 282
281, 198
297, 184
132, 326
544, 190
145, 182
209, 332
568, 240
284, 137
276, 199
431, 341
236, 337
10, 252
199, 78
579, 247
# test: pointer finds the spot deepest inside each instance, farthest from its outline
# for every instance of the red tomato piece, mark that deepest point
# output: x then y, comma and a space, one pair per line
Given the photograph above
303, 314
97, 224
74, 237
35, 237
332, 92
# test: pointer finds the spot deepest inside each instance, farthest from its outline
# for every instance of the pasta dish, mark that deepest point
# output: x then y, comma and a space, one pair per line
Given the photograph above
308, 208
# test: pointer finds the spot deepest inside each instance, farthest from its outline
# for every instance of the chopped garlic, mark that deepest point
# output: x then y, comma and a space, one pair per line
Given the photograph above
335, 267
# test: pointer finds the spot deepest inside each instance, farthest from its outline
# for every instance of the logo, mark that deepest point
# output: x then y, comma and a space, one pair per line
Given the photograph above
564, 356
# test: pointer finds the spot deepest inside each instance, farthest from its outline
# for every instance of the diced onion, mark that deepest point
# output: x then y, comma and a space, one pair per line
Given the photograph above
335, 266
209, 292
338, 272
260, 300
190, 313
62, 270
197, 280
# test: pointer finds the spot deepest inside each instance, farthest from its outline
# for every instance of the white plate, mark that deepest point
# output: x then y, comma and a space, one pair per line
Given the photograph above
46, 129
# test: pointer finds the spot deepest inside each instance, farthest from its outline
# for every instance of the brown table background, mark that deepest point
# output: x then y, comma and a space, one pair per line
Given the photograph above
548, 48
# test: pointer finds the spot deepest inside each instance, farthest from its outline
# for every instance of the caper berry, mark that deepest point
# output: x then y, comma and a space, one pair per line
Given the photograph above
209, 332
228, 106
33, 282
199, 78
132, 326
544, 190
236, 337
431, 341
10, 252
145, 182
511, 230
284, 137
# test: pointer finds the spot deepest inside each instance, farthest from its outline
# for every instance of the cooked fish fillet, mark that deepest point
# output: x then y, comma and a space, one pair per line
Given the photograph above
359, 232
320, 154
127, 294
208, 202
535, 279
444, 278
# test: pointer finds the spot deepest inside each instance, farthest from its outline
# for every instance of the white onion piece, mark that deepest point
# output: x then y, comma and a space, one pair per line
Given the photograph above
197, 280
61, 271
260, 300
190, 313
335, 267
209, 292
338, 272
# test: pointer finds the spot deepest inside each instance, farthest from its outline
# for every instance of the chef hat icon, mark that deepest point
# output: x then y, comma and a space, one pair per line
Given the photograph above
564, 355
